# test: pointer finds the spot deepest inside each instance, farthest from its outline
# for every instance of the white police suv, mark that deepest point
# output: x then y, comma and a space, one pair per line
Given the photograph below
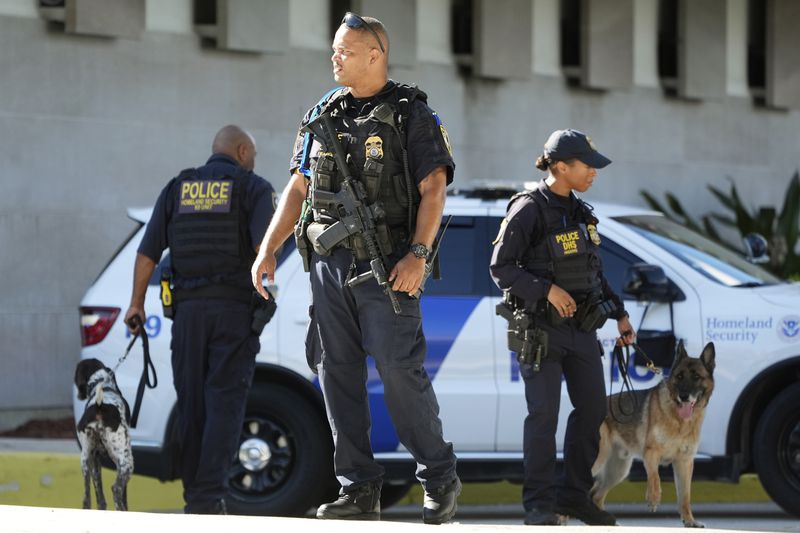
681, 281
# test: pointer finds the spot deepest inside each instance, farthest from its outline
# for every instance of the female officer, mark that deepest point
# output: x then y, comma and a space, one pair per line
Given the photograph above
547, 263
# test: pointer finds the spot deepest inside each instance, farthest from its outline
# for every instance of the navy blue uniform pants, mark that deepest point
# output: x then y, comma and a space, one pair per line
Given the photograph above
213, 359
351, 324
576, 355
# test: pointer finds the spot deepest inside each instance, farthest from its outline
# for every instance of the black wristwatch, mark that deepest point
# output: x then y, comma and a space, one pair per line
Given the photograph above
420, 250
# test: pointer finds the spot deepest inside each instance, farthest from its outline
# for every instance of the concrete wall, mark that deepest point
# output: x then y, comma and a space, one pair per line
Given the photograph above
91, 126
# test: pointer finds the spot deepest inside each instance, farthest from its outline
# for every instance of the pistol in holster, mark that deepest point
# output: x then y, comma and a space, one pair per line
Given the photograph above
263, 310
527, 340
167, 304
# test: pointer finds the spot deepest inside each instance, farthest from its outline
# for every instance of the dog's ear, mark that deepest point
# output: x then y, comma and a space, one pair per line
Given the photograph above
680, 353
708, 357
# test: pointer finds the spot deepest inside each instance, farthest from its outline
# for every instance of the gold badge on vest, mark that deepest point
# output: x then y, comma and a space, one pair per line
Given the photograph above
593, 235
374, 147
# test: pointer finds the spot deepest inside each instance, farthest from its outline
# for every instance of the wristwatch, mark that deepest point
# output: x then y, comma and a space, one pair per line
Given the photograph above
420, 250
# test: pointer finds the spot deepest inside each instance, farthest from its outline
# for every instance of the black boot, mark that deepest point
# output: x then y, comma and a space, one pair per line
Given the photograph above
587, 512
361, 503
440, 503
541, 516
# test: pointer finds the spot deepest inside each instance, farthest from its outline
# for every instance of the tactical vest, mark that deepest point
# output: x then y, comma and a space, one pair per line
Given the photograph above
375, 151
207, 233
566, 252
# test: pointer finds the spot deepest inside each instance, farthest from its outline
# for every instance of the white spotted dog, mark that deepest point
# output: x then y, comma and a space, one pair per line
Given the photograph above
103, 432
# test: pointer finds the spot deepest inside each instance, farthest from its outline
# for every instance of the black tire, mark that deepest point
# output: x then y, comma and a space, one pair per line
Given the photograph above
776, 449
288, 462
391, 493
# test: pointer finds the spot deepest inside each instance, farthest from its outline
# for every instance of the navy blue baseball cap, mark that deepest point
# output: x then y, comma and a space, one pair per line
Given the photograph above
563, 145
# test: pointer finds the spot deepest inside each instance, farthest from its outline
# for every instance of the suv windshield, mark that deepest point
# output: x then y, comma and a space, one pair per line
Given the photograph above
704, 255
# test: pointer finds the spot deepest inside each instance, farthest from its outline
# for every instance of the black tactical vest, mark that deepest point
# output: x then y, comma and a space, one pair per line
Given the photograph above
566, 249
208, 230
375, 152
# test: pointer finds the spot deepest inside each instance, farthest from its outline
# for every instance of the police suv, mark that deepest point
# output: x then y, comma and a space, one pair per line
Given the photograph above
674, 281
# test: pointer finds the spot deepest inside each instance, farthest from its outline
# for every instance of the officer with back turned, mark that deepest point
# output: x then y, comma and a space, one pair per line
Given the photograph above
212, 218
369, 172
546, 260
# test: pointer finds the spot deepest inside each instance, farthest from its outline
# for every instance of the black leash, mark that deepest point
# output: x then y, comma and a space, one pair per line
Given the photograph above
147, 369
626, 387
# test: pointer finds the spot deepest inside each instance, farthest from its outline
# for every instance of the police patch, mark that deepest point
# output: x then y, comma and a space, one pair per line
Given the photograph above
567, 243
205, 196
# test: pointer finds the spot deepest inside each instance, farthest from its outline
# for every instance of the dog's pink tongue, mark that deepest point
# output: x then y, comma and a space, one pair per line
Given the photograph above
685, 410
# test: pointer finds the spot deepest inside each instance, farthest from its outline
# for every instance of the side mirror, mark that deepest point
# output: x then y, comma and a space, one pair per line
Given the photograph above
756, 248
649, 283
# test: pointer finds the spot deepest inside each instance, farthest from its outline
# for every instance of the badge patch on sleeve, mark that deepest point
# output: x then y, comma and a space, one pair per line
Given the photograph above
445, 136
501, 232
567, 243
206, 196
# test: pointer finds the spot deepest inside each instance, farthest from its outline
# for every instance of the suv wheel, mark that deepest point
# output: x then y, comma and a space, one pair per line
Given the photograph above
284, 464
777, 449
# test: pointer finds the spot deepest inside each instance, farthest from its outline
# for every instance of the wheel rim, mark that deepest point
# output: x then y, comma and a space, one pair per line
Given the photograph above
789, 451
265, 459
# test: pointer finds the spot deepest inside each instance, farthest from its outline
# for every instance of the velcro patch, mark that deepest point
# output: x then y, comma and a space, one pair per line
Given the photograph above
568, 242
205, 196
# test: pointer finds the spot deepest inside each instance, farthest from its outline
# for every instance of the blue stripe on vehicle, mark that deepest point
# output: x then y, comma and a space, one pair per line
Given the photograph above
443, 319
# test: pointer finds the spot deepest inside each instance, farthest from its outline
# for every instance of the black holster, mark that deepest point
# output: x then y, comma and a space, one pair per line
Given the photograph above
527, 340
263, 310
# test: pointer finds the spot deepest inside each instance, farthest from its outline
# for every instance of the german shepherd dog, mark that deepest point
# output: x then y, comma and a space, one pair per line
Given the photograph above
660, 425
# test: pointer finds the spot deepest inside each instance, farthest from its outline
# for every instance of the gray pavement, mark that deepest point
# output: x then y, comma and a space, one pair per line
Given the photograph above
632, 516
19, 519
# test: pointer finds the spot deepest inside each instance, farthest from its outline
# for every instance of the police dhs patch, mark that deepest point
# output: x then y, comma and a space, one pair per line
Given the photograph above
205, 196
567, 243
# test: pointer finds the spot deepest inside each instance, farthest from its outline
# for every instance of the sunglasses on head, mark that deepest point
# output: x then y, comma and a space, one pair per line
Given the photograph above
355, 22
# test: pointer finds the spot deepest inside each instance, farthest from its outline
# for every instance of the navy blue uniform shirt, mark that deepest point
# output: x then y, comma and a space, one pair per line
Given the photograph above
259, 205
522, 229
428, 146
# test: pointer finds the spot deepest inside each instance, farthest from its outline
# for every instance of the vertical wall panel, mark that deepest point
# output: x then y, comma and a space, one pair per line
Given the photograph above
546, 35
702, 52
400, 19
607, 43
109, 18
253, 25
783, 53
503, 36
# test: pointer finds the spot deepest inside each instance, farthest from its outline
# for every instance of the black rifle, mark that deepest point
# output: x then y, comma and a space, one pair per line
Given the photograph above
528, 341
356, 217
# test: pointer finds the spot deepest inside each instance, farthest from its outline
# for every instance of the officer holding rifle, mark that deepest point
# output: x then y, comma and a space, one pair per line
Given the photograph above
365, 200
546, 260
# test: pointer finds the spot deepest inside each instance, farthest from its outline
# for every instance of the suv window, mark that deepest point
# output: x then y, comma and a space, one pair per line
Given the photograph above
707, 257
616, 261
464, 258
